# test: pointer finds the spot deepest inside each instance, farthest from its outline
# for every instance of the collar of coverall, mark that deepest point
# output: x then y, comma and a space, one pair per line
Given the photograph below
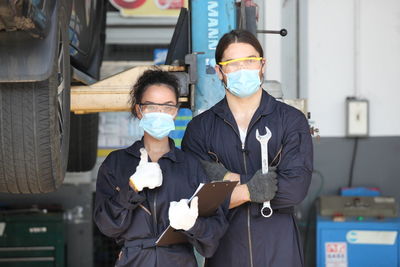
267, 106
174, 154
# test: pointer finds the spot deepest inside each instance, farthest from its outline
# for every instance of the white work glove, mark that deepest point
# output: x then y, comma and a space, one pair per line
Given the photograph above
148, 174
181, 217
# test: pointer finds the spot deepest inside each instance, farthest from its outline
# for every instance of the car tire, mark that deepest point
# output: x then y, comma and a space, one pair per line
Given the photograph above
83, 142
34, 126
85, 128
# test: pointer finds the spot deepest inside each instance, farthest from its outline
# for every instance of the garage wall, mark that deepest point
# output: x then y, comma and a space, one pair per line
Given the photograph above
335, 49
273, 43
353, 50
282, 53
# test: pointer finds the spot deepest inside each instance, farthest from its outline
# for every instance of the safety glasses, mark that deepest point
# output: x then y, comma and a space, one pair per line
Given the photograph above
243, 62
154, 107
242, 59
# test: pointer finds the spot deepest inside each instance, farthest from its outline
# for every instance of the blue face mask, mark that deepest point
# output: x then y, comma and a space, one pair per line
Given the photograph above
243, 83
157, 124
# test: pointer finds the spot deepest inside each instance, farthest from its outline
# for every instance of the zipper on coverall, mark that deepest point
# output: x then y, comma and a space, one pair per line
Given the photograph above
245, 169
155, 214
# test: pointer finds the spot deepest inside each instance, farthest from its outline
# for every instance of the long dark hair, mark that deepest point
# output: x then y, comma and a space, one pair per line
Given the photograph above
237, 36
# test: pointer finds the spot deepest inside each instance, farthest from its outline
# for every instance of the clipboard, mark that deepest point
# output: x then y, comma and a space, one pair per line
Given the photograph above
211, 196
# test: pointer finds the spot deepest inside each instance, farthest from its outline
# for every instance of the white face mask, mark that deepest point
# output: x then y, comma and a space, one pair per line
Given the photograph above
157, 124
244, 82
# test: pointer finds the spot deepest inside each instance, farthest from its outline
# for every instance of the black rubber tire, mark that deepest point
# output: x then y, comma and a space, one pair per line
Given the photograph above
83, 142
85, 128
34, 127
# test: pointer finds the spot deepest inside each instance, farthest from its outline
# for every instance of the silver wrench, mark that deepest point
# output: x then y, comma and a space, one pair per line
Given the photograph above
266, 210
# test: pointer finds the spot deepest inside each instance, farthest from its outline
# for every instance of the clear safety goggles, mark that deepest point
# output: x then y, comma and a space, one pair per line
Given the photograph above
154, 107
243, 62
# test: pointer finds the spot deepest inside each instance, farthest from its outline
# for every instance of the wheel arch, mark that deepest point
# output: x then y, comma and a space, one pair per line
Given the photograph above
29, 59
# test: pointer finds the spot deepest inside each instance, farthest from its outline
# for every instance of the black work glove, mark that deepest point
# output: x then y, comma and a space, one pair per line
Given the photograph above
262, 187
215, 171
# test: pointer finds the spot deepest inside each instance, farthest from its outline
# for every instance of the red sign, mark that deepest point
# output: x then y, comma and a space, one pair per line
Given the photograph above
129, 4
161, 4
336, 254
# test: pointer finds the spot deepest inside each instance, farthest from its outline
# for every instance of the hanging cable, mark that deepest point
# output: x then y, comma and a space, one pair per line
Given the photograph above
353, 159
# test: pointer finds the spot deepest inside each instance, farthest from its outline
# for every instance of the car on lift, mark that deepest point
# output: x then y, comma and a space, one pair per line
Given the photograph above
45, 46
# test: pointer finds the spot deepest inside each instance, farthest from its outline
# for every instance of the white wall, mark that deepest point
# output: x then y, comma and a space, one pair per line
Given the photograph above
328, 61
273, 43
289, 49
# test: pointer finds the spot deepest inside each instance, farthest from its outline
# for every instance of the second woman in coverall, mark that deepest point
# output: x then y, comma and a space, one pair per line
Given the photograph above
224, 137
144, 188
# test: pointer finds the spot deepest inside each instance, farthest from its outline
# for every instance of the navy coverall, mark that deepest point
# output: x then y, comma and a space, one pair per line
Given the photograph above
136, 220
252, 240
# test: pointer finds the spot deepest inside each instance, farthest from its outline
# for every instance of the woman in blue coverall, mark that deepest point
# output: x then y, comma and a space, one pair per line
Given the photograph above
144, 188
224, 138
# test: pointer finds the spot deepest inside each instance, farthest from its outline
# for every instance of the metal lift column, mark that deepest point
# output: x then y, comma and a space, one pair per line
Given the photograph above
210, 20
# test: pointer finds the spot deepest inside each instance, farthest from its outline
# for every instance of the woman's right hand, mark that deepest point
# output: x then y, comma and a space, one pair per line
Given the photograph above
148, 174
181, 216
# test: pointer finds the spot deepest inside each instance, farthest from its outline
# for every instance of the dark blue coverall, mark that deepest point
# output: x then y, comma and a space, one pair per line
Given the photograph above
137, 219
252, 240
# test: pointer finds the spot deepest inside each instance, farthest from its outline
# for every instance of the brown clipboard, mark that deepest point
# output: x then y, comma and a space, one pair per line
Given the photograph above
210, 196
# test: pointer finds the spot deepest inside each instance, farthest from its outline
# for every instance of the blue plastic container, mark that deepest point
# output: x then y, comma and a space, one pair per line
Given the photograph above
363, 242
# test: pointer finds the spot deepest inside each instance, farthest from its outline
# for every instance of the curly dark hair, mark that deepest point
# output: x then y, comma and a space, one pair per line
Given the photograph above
148, 78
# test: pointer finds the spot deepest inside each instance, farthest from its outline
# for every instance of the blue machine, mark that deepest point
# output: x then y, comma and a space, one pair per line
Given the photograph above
212, 20
181, 121
358, 242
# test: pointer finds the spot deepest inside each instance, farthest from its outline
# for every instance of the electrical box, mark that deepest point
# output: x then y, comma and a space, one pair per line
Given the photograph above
357, 117
358, 241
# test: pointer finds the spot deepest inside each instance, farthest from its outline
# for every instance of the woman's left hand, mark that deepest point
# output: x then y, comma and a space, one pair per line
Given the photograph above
181, 217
